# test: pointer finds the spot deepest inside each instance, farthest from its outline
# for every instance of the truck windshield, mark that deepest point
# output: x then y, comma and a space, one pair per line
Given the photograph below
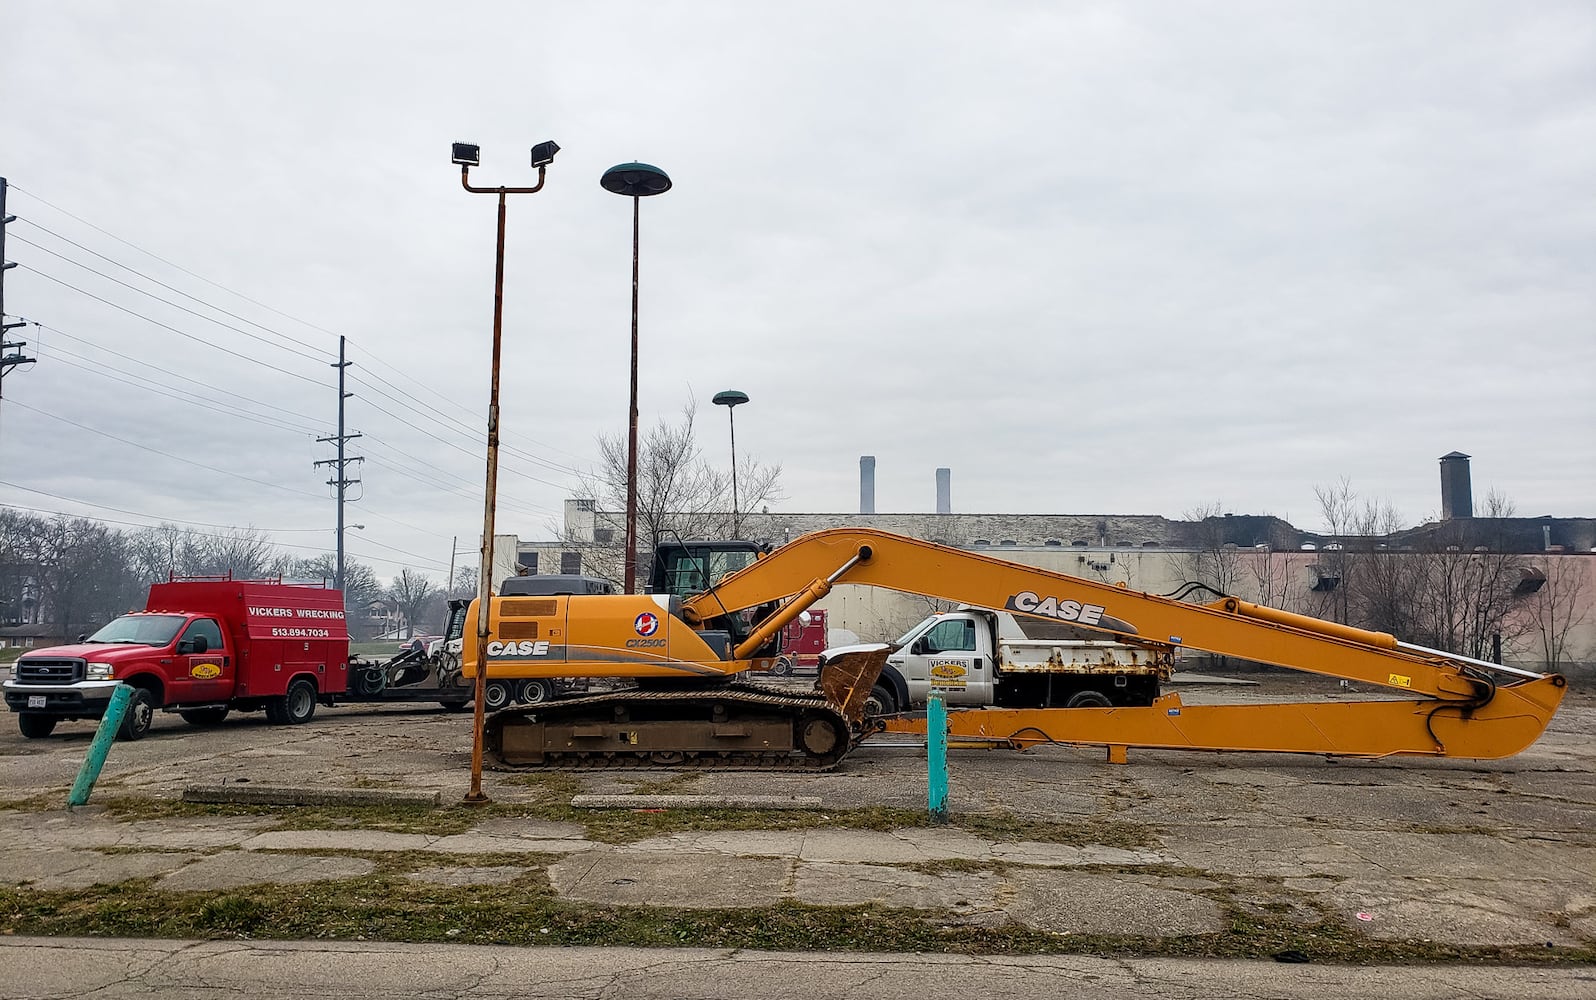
904, 639
144, 630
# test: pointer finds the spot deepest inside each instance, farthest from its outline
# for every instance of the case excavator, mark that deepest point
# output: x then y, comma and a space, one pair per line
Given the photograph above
716, 610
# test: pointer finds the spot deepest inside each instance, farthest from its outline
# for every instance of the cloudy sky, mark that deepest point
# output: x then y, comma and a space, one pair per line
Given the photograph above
1128, 258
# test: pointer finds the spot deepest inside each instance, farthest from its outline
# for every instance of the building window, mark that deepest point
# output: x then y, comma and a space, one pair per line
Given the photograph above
570, 562
603, 536
529, 562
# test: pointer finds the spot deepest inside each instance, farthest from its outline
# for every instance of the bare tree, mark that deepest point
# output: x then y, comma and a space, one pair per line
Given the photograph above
77, 570
1550, 614
1214, 562
1466, 599
1276, 577
361, 587
679, 492
413, 593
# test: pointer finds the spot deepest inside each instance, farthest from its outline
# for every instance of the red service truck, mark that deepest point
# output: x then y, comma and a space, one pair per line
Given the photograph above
802, 642
200, 647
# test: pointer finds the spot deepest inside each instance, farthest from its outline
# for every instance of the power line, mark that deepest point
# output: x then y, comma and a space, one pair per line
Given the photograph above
167, 454
463, 491
140, 524
147, 386
526, 456
171, 264
156, 281
166, 326
139, 513
231, 395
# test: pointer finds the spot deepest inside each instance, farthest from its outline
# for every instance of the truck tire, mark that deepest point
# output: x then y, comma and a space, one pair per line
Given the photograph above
499, 695
782, 667
204, 716
1088, 699
536, 692
881, 701
140, 716
299, 704
35, 726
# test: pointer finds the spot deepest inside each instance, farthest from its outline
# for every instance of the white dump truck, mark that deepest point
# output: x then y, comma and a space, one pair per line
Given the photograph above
975, 657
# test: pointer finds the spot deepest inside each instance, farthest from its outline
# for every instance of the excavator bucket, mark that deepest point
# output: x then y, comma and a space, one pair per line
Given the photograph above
847, 681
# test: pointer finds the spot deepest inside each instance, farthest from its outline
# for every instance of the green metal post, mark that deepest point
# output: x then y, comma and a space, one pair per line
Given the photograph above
109, 724
936, 727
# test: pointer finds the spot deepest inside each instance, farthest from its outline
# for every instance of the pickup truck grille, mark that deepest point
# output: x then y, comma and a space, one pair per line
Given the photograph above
66, 670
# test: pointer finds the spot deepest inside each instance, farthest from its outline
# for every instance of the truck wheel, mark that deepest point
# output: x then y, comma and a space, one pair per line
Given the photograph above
782, 667
536, 692
140, 716
299, 704
204, 716
36, 727
1088, 699
880, 702
498, 696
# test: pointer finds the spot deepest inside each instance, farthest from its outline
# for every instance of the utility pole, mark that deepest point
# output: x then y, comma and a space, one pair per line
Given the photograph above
339, 481
16, 357
448, 591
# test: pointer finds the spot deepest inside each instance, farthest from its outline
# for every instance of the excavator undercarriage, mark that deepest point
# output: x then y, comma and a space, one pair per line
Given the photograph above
726, 725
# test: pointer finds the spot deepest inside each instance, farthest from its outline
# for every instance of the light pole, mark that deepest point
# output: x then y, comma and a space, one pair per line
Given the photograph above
638, 181
468, 156
731, 399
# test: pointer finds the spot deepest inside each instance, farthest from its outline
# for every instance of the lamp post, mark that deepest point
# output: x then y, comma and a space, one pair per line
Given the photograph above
638, 181
468, 156
731, 399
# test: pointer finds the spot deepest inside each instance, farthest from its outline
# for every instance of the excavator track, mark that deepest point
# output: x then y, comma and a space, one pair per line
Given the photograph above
731, 727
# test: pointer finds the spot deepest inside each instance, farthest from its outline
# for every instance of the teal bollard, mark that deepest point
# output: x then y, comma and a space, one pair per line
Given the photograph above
936, 744
109, 724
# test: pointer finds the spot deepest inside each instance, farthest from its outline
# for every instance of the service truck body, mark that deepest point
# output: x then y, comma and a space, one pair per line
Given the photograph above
973, 657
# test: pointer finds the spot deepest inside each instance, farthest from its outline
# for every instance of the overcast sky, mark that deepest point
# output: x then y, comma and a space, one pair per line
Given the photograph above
1094, 258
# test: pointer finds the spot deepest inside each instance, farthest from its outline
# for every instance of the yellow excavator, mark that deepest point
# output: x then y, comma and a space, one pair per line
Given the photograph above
717, 608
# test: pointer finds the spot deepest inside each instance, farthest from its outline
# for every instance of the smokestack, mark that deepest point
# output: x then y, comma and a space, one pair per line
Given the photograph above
867, 484
1457, 497
944, 491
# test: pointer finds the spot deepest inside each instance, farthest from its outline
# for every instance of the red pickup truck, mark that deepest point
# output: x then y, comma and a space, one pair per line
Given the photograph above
200, 647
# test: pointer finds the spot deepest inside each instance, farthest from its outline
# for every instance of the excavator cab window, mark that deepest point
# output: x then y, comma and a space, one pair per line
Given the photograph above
685, 569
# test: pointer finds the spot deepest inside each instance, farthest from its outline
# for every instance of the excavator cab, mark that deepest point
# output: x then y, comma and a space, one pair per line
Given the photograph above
687, 569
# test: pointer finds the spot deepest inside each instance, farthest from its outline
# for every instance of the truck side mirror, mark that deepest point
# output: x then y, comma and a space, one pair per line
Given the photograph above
198, 644
918, 649
83, 636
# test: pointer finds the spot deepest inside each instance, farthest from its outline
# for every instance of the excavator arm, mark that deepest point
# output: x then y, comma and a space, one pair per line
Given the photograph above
1466, 711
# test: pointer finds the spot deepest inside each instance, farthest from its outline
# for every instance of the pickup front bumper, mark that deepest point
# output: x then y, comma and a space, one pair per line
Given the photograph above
82, 700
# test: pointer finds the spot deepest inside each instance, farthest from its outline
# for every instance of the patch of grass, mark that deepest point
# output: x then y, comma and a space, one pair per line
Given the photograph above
34, 803
1010, 828
525, 912
552, 803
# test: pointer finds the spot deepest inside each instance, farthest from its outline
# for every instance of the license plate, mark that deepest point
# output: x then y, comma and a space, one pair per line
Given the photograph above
35, 701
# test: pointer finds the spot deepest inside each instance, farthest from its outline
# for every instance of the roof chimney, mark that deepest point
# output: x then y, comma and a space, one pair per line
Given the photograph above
1457, 497
944, 491
867, 484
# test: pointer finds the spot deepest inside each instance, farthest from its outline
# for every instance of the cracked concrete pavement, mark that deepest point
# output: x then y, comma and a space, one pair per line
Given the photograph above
58, 969
1449, 851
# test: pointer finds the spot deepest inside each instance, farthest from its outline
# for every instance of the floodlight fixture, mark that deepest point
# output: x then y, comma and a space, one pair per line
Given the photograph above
467, 155
543, 153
